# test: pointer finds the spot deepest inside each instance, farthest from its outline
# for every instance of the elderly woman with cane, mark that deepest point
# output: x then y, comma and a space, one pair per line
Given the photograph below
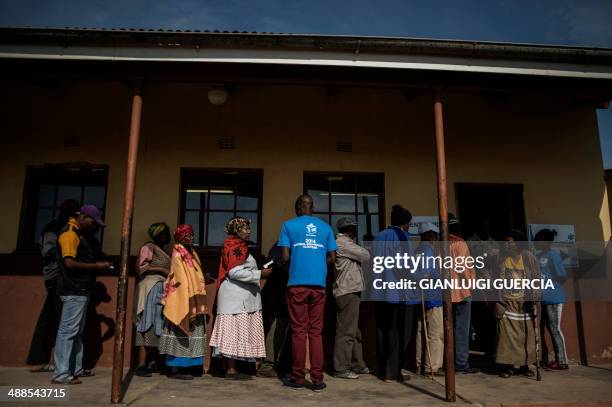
517, 343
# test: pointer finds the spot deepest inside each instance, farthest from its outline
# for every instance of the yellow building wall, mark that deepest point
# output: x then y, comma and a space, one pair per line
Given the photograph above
545, 143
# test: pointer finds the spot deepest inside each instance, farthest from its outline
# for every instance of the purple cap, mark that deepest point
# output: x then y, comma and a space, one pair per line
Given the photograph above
92, 212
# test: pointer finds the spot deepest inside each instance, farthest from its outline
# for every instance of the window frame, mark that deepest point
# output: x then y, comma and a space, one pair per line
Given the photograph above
355, 175
34, 177
192, 172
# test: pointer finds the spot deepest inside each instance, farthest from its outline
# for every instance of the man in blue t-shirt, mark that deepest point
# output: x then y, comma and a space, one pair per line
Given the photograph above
308, 245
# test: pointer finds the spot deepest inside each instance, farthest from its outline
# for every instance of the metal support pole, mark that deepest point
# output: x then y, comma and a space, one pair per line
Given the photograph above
126, 237
449, 340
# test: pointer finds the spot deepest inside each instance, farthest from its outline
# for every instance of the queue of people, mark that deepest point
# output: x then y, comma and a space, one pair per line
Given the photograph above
170, 306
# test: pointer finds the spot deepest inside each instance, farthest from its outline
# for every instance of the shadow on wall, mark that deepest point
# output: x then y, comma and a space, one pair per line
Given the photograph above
98, 328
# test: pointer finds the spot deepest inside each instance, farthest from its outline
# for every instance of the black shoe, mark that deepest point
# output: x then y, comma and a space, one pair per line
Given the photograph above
293, 384
143, 371
267, 371
318, 387
87, 373
74, 380
469, 370
196, 371
524, 371
507, 373
180, 376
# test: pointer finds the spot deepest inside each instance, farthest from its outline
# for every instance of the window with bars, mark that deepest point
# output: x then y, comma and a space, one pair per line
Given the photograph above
47, 187
211, 197
360, 196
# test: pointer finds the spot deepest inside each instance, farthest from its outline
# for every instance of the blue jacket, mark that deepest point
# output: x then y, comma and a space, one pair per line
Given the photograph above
388, 243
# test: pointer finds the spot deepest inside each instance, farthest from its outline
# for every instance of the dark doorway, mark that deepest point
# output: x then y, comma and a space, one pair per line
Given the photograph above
501, 204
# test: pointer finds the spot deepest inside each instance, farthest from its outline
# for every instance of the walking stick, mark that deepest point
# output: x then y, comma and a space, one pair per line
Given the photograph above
537, 340
426, 335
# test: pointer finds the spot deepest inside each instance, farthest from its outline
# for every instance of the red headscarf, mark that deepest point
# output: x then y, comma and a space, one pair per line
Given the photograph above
235, 253
182, 232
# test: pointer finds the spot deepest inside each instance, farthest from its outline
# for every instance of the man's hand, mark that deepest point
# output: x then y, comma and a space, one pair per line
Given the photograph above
331, 257
72, 264
286, 255
265, 273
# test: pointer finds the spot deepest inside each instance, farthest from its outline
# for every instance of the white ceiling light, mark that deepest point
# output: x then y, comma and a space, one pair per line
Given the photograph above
218, 95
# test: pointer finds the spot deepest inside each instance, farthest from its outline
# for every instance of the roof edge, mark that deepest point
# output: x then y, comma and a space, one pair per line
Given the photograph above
356, 44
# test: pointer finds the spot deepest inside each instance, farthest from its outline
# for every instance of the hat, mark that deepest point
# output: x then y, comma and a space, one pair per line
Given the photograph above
157, 228
92, 212
345, 222
425, 227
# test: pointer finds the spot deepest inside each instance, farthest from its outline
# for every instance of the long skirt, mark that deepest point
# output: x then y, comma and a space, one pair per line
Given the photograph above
239, 336
175, 343
147, 339
149, 323
516, 336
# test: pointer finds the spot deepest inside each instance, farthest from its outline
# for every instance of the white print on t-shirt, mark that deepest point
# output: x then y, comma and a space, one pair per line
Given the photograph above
309, 244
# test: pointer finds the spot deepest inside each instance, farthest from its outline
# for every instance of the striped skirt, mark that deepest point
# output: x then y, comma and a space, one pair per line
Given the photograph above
174, 342
516, 336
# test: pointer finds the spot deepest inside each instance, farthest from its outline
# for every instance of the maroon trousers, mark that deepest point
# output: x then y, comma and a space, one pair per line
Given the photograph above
306, 305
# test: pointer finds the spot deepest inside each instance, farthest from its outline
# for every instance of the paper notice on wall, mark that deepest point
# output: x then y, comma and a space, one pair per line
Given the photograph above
416, 220
564, 242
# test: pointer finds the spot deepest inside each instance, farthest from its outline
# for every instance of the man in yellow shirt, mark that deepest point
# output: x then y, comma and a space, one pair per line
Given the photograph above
75, 285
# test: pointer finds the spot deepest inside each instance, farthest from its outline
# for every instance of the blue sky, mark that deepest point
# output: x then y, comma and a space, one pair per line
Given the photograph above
566, 22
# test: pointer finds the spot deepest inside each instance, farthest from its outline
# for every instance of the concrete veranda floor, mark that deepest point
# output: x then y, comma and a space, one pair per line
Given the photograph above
578, 387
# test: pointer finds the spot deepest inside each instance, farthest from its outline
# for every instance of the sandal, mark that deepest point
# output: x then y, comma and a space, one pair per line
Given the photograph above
87, 373
48, 368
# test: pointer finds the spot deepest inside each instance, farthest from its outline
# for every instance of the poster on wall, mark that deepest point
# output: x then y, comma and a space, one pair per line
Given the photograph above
564, 243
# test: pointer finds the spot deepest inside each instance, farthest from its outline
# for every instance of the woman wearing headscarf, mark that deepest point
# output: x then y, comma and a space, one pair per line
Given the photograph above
153, 268
238, 333
516, 347
183, 339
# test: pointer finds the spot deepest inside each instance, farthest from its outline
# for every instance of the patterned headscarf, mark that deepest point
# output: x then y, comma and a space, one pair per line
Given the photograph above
235, 250
182, 232
157, 229
237, 224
